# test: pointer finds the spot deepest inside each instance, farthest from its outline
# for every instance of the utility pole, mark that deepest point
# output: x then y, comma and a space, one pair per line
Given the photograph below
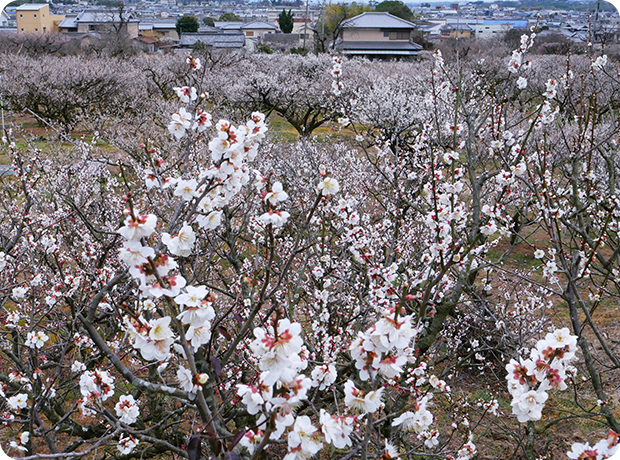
2, 111
306, 24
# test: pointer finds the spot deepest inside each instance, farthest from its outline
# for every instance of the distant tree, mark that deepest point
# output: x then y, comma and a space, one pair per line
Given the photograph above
230, 17
512, 38
5, 3
418, 37
208, 21
396, 8
286, 21
335, 14
187, 23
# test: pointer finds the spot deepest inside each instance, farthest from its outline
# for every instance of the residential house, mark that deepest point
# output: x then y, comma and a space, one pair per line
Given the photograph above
456, 31
4, 19
36, 18
377, 35
145, 44
489, 28
258, 29
158, 30
303, 27
100, 22
253, 31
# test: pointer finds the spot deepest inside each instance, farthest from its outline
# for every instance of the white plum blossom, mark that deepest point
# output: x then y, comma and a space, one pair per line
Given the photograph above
552, 88
211, 221
127, 409
336, 430
127, 445
418, 421
186, 379
186, 94
329, 186
19, 293
252, 397
18, 401
78, 366
182, 243
277, 194
135, 255
181, 121
202, 121
600, 62
186, 189
96, 384
529, 405
304, 441
275, 218
521, 82
36, 339
193, 62
357, 399
137, 226
323, 376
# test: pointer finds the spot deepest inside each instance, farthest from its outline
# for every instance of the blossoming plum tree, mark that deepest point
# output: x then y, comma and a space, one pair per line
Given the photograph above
207, 292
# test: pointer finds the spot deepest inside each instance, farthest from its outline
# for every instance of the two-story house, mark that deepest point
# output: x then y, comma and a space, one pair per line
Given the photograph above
377, 35
36, 18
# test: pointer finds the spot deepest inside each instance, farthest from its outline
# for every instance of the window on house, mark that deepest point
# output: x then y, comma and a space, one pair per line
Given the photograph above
21, 15
386, 34
36, 30
44, 29
249, 33
399, 35
35, 15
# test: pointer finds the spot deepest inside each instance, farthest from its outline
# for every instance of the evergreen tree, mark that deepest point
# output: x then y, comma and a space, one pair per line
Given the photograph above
187, 23
395, 8
286, 21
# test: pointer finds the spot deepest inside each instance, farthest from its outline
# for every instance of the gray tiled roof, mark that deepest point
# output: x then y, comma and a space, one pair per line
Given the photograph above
102, 17
377, 21
69, 22
31, 7
258, 25
215, 40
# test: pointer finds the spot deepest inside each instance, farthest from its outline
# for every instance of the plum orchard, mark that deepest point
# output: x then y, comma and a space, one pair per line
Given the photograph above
222, 296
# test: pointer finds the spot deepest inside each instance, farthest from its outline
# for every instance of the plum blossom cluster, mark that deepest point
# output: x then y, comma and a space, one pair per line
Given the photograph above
547, 368
337, 84
281, 389
127, 409
516, 61
605, 448
182, 119
95, 386
384, 348
275, 217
